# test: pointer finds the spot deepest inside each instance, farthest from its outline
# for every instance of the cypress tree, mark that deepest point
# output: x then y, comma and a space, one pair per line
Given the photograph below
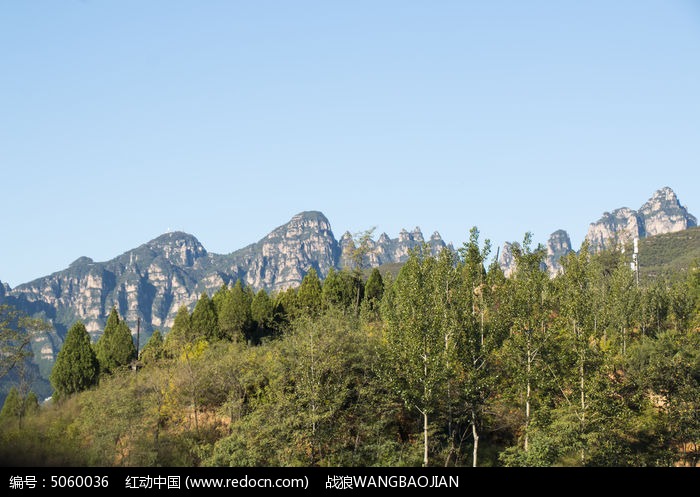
31, 404
262, 312
203, 321
181, 332
12, 408
235, 320
153, 350
76, 366
115, 348
310, 293
374, 288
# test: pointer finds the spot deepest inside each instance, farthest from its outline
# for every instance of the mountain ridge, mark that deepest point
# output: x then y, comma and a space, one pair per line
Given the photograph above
149, 283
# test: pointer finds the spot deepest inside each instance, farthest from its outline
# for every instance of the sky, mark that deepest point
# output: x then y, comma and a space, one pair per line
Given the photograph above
121, 120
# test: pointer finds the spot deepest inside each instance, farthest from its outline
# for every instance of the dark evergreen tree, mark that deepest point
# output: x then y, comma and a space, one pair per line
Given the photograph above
12, 408
115, 348
235, 321
338, 290
310, 293
153, 350
31, 404
204, 322
76, 367
262, 312
180, 334
374, 288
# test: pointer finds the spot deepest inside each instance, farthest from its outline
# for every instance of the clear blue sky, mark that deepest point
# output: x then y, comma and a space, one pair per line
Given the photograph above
121, 119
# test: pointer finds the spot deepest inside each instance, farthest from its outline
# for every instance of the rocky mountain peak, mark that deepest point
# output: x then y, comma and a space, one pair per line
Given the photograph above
178, 248
663, 213
558, 245
81, 261
417, 235
306, 220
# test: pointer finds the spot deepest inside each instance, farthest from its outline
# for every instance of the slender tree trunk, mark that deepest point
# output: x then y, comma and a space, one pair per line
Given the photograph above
476, 440
527, 398
313, 402
582, 385
425, 439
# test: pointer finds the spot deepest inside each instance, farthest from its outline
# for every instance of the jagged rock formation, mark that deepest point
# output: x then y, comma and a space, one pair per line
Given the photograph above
558, 245
386, 250
662, 213
507, 260
283, 257
150, 283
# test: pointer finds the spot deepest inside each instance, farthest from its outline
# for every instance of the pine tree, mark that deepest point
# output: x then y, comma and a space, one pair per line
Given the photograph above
31, 404
153, 350
310, 293
203, 321
262, 312
12, 408
235, 320
76, 367
115, 348
374, 288
180, 334
338, 290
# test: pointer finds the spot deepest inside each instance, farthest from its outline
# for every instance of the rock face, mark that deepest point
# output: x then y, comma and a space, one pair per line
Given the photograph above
387, 250
662, 213
283, 257
614, 229
558, 245
507, 260
150, 283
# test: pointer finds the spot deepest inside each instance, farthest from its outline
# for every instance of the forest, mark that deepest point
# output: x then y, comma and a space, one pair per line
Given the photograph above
448, 363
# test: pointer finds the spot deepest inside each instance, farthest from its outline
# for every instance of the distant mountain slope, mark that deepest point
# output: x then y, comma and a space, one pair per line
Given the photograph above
150, 283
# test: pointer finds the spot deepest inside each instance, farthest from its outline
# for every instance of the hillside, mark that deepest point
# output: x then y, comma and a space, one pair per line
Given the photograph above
669, 253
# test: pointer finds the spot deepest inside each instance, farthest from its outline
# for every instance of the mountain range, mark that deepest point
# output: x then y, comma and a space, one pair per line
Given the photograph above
149, 283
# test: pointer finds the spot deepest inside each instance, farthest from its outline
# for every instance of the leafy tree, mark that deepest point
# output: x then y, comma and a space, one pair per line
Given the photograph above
16, 330
76, 367
529, 337
356, 253
475, 344
415, 346
578, 308
203, 321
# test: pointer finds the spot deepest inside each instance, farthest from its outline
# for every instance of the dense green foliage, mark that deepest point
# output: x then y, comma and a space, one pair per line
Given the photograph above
76, 367
115, 347
450, 363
